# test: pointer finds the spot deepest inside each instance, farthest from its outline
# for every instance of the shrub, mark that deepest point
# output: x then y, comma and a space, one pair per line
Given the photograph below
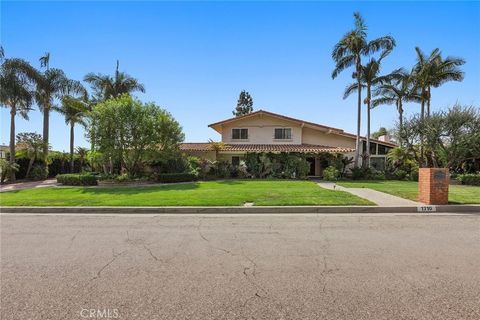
6, 169
359, 173
38, 172
177, 177
74, 179
470, 179
331, 174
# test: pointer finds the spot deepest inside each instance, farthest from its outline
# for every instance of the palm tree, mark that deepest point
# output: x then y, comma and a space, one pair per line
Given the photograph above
217, 147
17, 77
397, 90
107, 87
369, 78
53, 84
433, 71
74, 109
348, 52
32, 144
82, 156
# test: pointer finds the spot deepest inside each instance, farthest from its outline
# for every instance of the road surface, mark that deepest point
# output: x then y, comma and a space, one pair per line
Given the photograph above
295, 266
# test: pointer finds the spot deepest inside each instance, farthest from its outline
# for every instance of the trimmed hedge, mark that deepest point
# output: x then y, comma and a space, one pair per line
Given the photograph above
177, 177
470, 179
74, 179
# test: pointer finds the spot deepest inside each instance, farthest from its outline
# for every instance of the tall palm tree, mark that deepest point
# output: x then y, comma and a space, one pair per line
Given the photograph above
107, 87
17, 78
444, 70
348, 52
74, 109
398, 89
53, 84
433, 71
369, 78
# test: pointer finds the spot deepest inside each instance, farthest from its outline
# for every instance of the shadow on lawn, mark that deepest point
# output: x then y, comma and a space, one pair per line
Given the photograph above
129, 190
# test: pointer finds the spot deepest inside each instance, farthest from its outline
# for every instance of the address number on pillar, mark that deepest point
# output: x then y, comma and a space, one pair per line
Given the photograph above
426, 208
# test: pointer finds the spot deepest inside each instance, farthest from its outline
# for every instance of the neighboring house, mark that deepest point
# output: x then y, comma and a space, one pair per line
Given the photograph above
264, 131
3, 151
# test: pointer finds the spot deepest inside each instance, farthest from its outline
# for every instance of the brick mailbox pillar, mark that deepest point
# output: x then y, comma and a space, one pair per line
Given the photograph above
433, 185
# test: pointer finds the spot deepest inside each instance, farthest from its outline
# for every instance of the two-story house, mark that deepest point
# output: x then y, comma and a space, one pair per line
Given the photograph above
264, 131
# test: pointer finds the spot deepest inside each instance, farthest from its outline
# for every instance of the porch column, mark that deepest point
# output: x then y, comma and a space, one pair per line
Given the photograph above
318, 169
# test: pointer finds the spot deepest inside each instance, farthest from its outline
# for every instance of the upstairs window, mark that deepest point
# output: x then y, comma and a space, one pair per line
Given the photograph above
239, 134
283, 133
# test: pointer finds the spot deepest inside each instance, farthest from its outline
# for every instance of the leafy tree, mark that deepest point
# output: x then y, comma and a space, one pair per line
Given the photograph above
74, 109
17, 77
381, 132
129, 132
107, 87
449, 137
349, 52
244, 104
370, 77
31, 143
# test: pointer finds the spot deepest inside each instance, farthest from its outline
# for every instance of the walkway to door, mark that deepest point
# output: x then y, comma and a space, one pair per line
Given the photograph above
380, 198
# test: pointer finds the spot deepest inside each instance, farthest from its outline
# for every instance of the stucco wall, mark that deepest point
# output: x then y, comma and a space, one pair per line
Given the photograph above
312, 136
261, 130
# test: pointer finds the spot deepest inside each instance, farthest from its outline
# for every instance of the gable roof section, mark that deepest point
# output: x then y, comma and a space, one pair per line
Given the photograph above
217, 126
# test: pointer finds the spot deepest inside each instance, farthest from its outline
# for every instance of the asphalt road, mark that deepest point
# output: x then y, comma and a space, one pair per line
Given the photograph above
240, 267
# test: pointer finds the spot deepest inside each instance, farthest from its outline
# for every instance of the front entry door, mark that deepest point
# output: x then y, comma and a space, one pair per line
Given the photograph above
311, 161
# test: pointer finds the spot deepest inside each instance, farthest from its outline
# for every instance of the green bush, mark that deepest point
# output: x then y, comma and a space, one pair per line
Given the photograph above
38, 172
331, 174
359, 173
74, 179
470, 178
177, 177
6, 169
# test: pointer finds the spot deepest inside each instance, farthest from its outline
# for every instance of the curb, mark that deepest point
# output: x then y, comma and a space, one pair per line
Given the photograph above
241, 210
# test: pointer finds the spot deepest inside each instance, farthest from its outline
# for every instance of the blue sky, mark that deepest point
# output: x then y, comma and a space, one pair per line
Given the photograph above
195, 57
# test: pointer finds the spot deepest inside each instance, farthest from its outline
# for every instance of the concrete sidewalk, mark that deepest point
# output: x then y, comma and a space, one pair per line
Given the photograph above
380, 198
29, 185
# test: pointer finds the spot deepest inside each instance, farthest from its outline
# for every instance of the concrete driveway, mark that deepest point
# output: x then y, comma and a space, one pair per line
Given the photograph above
28, 185
240, 267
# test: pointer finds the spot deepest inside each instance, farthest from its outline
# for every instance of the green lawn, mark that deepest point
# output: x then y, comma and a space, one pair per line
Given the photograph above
212, 193
458, 194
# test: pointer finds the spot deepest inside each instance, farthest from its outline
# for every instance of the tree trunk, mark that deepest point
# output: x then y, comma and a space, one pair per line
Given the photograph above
368, 126
422, 117
30, 165
400, 120
46, 122
13, 112
359, 113
72, 139
428, 102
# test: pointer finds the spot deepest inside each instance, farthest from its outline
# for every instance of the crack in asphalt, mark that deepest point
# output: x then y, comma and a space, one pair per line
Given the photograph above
115, 256
208, 240
72, 239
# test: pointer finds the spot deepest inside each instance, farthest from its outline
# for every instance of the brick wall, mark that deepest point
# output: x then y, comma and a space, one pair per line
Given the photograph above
433, 185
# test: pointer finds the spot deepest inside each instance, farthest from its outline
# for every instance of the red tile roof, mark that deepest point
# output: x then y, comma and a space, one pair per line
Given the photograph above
304, 148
